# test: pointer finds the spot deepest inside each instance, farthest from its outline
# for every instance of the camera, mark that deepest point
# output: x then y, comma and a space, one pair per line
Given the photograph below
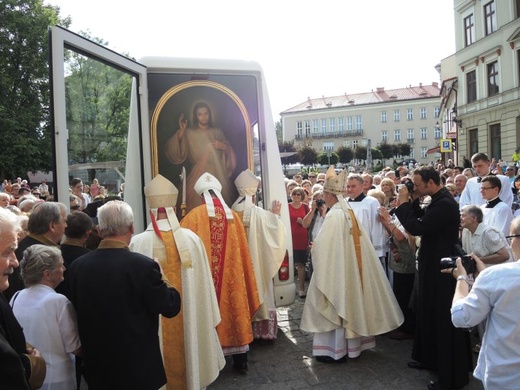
320, 202
409, 185
467, 262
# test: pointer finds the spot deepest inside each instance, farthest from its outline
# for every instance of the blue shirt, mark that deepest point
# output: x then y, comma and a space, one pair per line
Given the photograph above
495, 297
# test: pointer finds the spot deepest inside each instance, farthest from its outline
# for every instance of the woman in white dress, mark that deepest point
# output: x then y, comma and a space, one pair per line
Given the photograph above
48, 318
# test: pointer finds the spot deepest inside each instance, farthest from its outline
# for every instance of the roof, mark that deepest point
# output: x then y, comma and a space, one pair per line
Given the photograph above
380, 95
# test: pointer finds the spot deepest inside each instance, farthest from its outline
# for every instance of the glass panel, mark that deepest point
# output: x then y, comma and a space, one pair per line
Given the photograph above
97, 111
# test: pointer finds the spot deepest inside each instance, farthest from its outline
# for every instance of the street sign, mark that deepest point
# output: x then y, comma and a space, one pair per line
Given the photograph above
446, 145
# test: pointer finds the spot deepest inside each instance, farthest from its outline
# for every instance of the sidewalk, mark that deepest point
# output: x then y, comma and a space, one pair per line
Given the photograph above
287, 363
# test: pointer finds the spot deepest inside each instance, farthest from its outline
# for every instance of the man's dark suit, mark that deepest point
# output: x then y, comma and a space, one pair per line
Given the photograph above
118, 296
69, 254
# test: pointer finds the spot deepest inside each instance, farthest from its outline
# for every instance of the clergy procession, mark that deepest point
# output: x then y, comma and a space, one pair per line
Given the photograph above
88, 303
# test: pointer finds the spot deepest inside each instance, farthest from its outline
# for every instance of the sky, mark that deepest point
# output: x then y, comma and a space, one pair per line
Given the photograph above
306, 48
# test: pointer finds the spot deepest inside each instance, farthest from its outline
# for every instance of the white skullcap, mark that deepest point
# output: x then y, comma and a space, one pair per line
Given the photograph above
160, 192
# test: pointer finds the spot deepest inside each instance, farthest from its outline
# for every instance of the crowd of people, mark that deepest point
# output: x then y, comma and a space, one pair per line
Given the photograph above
413, 217
84, 298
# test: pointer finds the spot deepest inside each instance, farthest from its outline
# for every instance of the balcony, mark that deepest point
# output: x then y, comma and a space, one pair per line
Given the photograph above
335, 134
410, 141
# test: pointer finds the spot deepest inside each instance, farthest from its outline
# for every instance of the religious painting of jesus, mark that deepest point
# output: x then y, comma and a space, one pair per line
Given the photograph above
201, 126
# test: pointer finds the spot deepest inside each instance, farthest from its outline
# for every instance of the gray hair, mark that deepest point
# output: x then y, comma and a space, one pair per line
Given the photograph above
8, 221
36, 259
115, 218
474, 211
43, 214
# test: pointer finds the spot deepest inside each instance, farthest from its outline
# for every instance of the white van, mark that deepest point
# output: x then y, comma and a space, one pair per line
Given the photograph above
134, 140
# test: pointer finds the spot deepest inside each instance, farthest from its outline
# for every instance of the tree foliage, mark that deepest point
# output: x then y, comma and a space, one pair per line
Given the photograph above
308, 155
24, 86
361, 153
279, 131
323, 158
345, 154
288, 147
386, 150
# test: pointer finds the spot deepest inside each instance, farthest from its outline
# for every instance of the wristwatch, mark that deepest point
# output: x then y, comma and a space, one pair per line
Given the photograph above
465, 278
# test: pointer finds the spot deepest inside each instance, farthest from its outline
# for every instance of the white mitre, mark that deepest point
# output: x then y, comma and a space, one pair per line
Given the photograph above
247, 185
204, 184
161, 193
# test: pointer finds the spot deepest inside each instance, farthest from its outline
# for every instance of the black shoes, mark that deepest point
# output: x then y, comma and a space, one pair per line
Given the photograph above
417, 366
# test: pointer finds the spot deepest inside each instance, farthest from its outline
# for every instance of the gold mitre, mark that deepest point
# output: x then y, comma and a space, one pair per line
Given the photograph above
247, 183
335, 184
160, 192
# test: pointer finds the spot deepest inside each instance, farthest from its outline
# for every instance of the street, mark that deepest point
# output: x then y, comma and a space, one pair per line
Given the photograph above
287, 363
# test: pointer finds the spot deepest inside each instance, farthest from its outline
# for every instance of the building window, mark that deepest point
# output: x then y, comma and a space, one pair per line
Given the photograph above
423, 113
355, 144
328, 146
384, 136
307, 128
315, 126
341, 124
332, 125
299, 128
471, 85
496, 141
350, 125
359, 123
436, 111
491, 17
409, 114
397, 135
517, 9
437, 132
346, 144
424, 133
492, 73
324, 126
411, 155
409, 135
469, 30
397, 115
473, 141
384, 116
424, 152
364, 142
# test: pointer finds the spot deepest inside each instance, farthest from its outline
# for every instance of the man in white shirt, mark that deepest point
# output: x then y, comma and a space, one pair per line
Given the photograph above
496, 213
366, 211
471, 193
493, 298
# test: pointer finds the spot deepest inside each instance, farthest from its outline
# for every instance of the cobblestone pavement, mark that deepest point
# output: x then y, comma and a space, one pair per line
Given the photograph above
287, 363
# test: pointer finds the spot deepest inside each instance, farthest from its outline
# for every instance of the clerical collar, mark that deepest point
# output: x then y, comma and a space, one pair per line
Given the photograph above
493, 203
358, 199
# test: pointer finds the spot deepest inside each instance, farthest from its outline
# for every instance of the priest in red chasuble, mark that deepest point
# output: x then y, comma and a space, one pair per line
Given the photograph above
225, 240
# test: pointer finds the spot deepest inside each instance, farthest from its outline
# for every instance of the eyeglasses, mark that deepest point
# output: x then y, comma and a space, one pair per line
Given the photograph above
297, 194
312, 177
510, 238
486, 188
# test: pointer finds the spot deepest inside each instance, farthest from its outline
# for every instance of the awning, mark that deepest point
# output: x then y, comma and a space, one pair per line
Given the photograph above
436, 149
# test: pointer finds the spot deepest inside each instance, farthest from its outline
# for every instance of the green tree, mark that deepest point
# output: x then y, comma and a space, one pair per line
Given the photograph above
323, 159
24, 86
404, 149
361, 153
386, 150
308, 155
376, 154
345, 154
279, 131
